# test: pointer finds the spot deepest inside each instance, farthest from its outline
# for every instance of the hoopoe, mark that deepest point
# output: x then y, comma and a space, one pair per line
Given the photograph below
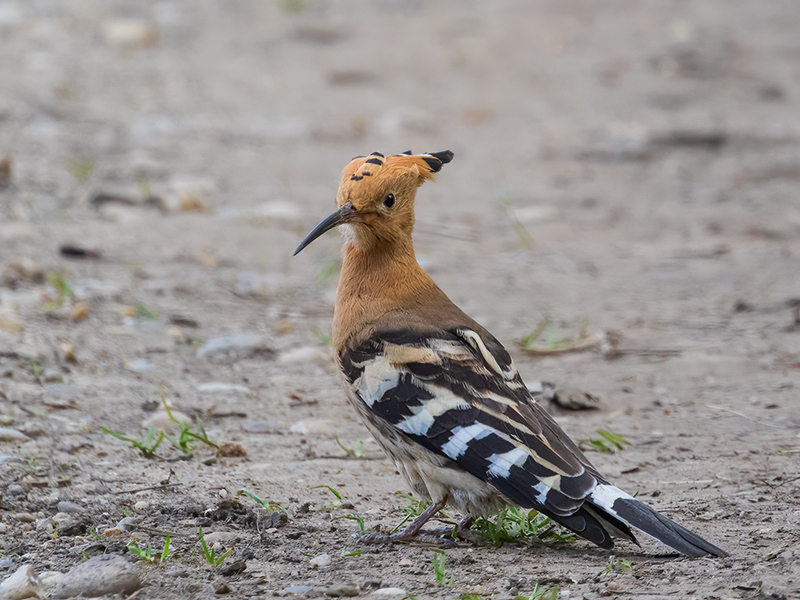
440, 394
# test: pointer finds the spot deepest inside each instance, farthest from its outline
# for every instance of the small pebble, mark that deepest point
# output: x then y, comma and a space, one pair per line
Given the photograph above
243, 344
161, 420
321, 561
389, 592
313, 426
305, 355
259, 426
222, 537
24, 517
65, 506
12, 435
218, 386
15, 490
130, 33
234, 568
52, 376
298, 589
342, 591
140, 366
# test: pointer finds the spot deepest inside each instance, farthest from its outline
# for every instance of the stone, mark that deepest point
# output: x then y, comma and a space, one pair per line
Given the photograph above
160, 419
342, 591
321, 561
240, 344
298, 589
304, 355
130, 33
69, 525
140, 366
313, 426
573, 399
389, 592
12, 435
220, 387
101, 575
48, 580
65, 506
20, 584
259, 426
220, 537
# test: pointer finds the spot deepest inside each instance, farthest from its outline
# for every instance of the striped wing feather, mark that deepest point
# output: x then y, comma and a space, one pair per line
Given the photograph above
442, 392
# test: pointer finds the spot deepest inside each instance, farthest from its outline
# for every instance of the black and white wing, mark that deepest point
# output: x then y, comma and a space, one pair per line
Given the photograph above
458, 394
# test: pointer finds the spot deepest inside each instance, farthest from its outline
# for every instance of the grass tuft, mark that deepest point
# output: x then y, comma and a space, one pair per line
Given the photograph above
212, 558
439, 571
610, 442
513, 524
356, 452
270, 506
63, 291
187, 436
619, 565
540, 593
147, 445
147, 555
547, 338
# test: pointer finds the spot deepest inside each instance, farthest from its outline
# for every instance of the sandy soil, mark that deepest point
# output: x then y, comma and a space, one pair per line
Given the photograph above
626, 168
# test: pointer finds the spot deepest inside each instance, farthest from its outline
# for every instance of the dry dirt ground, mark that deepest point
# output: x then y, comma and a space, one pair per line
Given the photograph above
629, 168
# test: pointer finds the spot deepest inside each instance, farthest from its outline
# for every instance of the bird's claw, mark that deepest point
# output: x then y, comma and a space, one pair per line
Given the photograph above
423, 537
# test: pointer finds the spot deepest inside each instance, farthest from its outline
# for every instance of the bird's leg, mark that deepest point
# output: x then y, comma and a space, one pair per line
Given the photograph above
409, 532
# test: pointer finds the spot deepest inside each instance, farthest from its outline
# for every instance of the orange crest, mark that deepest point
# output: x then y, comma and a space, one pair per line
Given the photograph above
370, 176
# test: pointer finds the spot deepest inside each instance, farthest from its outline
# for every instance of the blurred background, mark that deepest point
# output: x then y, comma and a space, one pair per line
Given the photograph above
625, 176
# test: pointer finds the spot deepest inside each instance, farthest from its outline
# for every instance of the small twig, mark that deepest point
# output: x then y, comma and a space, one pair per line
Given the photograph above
223, 415
332, 457
744, 416
154, 531
160, 486
581, 346
777, 485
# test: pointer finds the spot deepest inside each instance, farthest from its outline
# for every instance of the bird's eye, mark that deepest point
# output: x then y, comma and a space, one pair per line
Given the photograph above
388, 202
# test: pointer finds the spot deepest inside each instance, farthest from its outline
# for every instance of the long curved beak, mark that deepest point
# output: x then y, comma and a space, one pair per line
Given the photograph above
345, 214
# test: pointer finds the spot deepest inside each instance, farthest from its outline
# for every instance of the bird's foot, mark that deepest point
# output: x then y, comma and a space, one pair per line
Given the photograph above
412, 533
420, 537
460, 531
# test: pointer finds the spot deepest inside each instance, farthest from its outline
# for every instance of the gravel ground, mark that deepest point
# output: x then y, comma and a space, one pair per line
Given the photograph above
624, 170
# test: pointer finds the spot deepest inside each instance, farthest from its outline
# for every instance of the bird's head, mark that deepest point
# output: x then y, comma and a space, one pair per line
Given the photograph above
376, 197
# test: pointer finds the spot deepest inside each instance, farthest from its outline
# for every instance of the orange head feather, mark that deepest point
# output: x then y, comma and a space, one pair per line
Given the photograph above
376, 197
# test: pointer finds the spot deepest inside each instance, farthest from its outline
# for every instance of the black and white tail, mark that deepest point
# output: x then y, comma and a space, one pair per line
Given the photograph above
605, 498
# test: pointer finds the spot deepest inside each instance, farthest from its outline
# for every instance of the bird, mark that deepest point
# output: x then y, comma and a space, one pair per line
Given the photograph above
440, 394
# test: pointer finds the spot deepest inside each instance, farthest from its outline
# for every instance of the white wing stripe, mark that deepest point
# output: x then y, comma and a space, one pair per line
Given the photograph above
462, 436
500, 464
378, 377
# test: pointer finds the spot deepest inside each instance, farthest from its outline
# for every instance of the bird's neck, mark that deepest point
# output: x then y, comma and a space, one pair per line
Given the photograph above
374, 282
